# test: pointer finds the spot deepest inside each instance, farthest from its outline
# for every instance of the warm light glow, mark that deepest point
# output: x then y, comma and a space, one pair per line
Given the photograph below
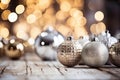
31, 18
93, 29
34, 32
12, 17
43, 4
99, 16
20, 9
71, 22
4, 32
65, 6
5, 1
22, 35
3, 6
79, 31
98, 28
75, 12
21, 26
5, 14
65, 30
102, 27
60, 15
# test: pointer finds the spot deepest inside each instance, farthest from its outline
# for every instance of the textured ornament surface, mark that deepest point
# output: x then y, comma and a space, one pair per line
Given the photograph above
69, 53
95, 54
115, 54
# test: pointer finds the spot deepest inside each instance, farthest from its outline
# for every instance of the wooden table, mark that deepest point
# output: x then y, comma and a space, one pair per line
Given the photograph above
30, 67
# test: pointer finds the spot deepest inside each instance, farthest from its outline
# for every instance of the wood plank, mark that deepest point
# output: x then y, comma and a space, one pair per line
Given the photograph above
83, 72
111, 69
44, 69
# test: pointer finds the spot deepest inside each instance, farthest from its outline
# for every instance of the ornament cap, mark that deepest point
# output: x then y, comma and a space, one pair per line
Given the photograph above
69, 38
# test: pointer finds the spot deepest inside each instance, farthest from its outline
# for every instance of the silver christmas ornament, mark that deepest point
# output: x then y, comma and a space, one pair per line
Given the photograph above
95, 54
14, 49
47, 42
106, 38
114, 52
69, 52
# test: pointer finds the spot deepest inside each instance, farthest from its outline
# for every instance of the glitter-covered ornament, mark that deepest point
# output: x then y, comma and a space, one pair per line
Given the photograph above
14, 49
95, 54
47, 42
69, 52
114, 52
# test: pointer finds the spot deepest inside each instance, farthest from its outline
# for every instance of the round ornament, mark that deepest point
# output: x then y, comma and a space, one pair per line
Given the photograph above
47, 42
69, 52
14, 49
114, 52
95, 54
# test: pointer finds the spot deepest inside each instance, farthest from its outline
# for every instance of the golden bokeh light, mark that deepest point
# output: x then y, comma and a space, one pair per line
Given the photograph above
3, 6
65, 30
60, 15
12, 17
65, 6
21, 26
22, 35
79, 31
74, 12
97, 28
4, 32
5, 1
5, 14
20, 9
31, 18
99, 16
34, 32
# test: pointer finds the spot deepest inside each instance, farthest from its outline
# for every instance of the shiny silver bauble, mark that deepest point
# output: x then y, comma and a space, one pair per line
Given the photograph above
95, 54
114, 52
69, 53
47, 42
14, 49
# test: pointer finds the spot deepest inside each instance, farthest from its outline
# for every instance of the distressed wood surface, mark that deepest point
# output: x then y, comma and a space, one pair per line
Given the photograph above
31, 67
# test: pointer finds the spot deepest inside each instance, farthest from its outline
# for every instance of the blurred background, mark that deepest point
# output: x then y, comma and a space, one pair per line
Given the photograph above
26, 19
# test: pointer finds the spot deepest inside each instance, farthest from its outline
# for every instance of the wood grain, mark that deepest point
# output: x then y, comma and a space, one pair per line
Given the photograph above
31, 67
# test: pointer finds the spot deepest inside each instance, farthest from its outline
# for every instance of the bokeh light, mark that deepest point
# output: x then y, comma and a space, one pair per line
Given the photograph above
99, 16
31, 18
5, 14
65, 6
4, 32
20, 9
5, 1
12, 17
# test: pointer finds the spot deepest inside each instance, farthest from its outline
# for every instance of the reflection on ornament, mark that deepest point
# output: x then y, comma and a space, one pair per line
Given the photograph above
69, 52
95, 54
115, 54
47, 42
14, 49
